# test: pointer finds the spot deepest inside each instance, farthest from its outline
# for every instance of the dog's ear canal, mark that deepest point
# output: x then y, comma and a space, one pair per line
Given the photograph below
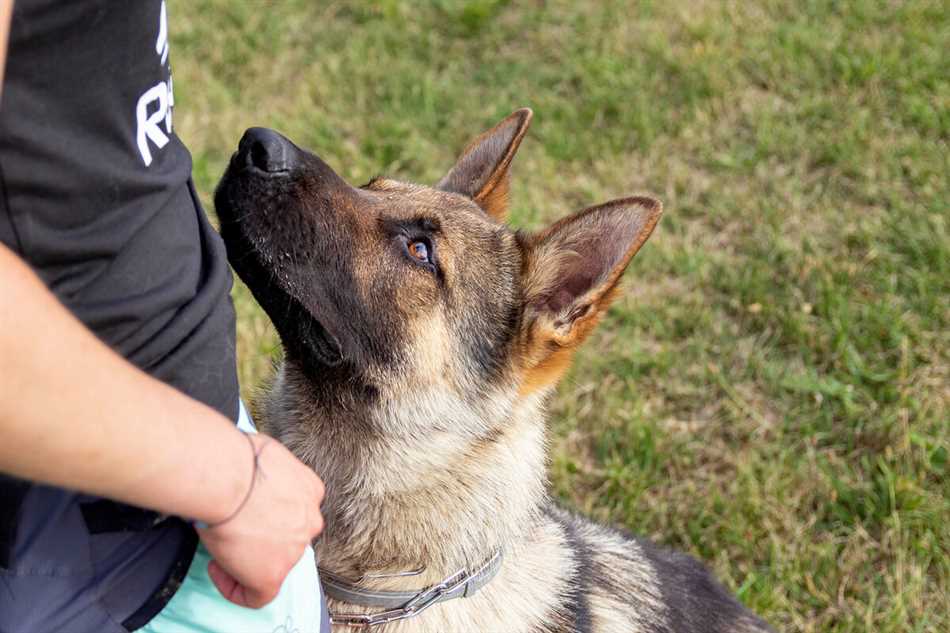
571, 276
481, 173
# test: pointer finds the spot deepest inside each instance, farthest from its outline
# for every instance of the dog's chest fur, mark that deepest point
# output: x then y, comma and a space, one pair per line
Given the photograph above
451, 503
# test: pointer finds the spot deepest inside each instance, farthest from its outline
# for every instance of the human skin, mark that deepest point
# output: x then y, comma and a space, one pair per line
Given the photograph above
75, 414
6, 10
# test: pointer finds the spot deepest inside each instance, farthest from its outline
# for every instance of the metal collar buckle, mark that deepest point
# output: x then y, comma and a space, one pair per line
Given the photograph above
445, 590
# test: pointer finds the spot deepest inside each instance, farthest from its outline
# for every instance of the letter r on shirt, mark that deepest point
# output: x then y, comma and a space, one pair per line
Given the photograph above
147, 124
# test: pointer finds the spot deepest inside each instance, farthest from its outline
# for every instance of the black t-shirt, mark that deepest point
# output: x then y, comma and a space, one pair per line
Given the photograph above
98, 193
97, 197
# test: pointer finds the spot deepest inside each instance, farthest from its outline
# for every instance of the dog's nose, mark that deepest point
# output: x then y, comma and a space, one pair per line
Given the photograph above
266, 150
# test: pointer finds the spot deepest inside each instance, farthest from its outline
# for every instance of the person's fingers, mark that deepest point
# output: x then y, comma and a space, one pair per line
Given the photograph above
320, 489
257, 599
225, 584
316, 523
317, 527
237, 593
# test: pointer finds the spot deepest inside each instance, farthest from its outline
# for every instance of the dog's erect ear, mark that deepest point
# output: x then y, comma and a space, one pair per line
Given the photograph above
571, 276
481, 173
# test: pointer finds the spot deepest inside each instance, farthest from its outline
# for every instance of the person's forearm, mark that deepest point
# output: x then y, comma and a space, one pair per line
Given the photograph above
6, 12
75, 414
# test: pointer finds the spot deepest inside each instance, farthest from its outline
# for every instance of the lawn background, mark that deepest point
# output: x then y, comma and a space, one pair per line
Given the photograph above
771, 394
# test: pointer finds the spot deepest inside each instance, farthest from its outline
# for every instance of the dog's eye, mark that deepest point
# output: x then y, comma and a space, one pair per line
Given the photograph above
420, 250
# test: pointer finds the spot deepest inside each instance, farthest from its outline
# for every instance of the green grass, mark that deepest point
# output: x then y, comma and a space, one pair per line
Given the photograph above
772, 393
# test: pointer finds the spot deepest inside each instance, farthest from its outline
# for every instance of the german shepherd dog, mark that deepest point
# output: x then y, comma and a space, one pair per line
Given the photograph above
422, 337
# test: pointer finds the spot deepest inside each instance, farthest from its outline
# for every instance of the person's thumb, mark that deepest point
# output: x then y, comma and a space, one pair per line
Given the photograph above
234, 591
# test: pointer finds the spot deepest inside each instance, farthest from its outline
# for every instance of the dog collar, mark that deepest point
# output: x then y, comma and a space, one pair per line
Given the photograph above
400, 605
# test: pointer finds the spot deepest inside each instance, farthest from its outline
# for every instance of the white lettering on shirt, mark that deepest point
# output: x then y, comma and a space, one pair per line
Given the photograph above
161, 46
149, 116
147, 124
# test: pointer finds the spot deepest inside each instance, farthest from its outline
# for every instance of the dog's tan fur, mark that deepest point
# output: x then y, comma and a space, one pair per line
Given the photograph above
428, 424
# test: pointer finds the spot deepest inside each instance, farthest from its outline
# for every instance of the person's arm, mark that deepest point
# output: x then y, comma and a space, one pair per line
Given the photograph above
75, 414
6, 12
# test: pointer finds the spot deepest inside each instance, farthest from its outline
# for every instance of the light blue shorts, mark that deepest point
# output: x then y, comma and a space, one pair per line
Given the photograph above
198, 606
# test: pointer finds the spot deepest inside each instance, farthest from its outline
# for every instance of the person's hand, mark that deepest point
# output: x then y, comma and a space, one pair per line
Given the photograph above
254, 550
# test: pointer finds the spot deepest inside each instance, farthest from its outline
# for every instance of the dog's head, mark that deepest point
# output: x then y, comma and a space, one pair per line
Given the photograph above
393, 291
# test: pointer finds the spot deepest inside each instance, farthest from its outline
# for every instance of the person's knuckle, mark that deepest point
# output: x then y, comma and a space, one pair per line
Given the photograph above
319, 488
267, 596
273, 580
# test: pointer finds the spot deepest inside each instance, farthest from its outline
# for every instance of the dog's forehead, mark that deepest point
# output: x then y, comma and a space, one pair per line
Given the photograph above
403, 197
388, 185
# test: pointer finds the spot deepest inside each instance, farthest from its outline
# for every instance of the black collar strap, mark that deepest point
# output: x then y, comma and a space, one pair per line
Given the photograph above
400, 605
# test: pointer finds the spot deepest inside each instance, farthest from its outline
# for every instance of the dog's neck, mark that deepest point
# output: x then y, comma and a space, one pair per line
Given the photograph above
440, 503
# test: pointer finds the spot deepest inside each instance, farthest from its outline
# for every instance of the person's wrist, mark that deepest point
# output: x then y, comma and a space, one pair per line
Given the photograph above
237, 472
